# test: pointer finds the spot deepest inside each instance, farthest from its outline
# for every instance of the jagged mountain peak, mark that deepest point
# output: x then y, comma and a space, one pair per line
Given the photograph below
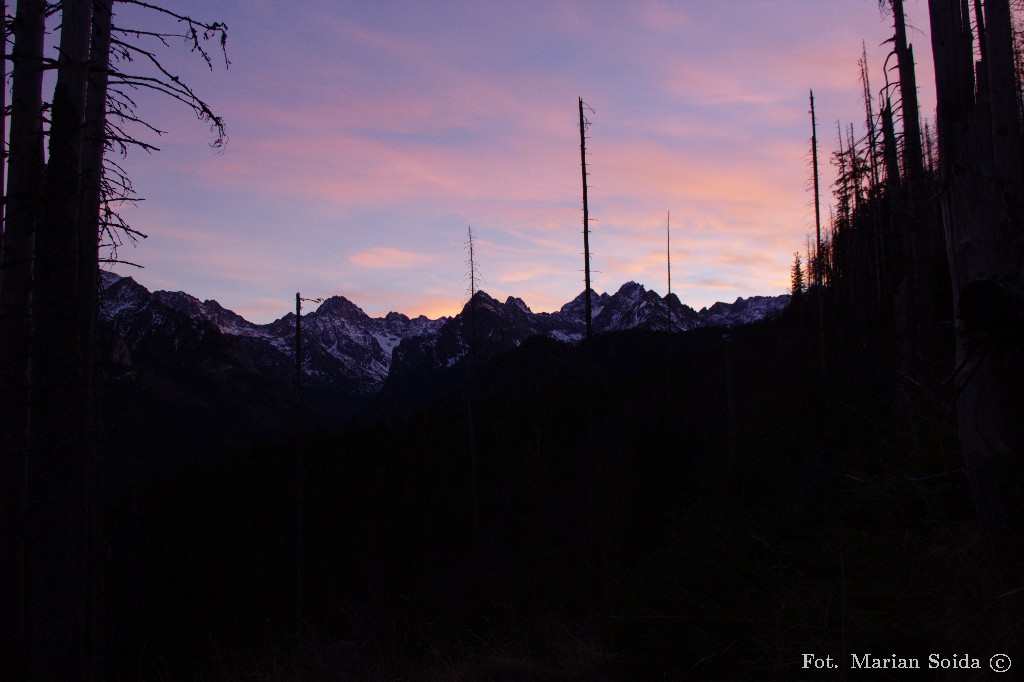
339, 306
487, 305
518, 303
577, 304
631, 289
108, 278
182, 302
120, 294
483, 297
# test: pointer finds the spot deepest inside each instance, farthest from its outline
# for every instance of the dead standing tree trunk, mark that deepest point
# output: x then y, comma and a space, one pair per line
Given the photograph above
584, 124
59, 433
89, 229
592, 467
913, 309
817, 278
877, 229
981, 195
474, 475
668, 270
53, 600
25, 164
912, 158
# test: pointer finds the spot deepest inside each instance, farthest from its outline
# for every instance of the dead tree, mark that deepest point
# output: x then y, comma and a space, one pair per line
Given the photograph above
584, 124
668, 269
912, 157
877, 228
913, 308
816, 279
869, 117
24, 165
592, 466
816, 270
890, 153
60, 429
981, 196
474, 476
56, 210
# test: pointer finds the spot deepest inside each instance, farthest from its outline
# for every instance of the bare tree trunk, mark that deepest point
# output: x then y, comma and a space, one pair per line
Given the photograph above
300, 473
88, 289
51, 587
587, 306
912, 158
979, 190
889, 154
3, 122
471, 392
913, 311
878, 233
57, 519
24, 172
817, 279
1006, 138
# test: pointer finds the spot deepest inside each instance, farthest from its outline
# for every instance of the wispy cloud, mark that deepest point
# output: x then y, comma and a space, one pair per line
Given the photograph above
383, 258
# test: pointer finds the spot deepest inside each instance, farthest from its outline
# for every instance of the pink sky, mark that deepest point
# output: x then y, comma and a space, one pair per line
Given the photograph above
366, 136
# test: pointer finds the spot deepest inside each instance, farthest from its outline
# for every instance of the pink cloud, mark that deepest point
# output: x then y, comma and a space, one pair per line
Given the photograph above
383, 258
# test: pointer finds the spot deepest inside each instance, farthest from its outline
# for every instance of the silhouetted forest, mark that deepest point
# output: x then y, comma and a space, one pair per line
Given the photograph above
920, 266
729, 511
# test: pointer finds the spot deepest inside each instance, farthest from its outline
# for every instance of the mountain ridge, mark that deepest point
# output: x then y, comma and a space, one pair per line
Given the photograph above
347, 352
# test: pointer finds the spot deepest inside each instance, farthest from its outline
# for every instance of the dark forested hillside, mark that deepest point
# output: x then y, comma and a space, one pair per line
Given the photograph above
696, 506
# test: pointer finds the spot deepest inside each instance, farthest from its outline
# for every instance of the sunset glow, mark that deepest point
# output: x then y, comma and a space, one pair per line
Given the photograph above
366, 137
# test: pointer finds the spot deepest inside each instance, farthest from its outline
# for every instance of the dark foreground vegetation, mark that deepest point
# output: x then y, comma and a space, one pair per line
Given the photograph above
698, 506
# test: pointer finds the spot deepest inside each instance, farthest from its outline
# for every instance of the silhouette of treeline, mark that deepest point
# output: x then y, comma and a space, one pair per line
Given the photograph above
882, 266
921, 268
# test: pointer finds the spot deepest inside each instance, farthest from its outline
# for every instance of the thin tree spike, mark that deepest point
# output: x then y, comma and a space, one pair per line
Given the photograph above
586, 220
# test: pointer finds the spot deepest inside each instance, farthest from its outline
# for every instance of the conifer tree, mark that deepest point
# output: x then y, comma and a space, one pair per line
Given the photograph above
797, 278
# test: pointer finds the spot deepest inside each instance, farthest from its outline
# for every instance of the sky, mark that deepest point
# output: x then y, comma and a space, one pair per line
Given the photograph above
365, 137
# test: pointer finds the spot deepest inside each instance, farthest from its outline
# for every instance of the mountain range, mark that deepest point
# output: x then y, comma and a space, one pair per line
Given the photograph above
345, 352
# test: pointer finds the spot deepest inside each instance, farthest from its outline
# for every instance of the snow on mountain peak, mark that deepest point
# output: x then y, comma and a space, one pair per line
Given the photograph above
631, 290
341, 343
339, 306
518, 303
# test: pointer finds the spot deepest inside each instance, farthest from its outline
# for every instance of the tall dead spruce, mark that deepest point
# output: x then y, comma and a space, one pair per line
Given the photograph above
817, 280
592, 467
912, 294
982, 201
51, 575
584, 125
474, 476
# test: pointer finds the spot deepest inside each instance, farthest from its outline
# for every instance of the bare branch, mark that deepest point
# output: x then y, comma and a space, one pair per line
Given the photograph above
197, 31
